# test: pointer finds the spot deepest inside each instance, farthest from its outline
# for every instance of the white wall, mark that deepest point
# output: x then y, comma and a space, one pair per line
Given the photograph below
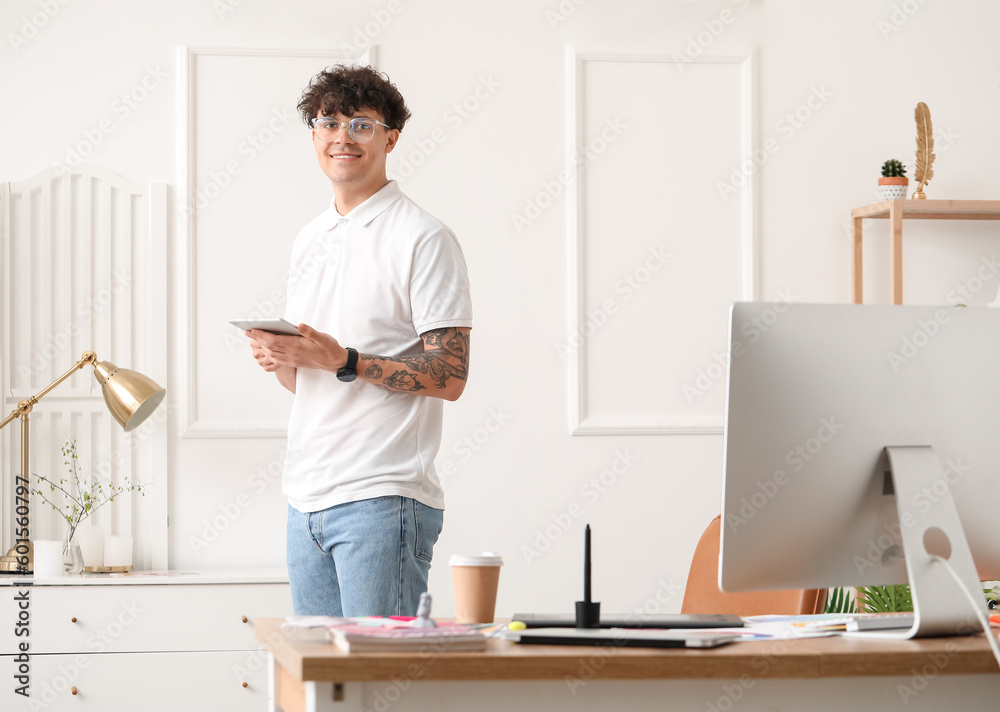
832, 96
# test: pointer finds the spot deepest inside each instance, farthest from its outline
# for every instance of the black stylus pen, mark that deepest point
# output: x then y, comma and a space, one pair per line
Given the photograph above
588, 613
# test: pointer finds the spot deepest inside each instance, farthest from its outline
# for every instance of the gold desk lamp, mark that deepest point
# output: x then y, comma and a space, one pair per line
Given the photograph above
131, 398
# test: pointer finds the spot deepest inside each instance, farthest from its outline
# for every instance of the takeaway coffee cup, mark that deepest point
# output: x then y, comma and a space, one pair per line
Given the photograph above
475, 579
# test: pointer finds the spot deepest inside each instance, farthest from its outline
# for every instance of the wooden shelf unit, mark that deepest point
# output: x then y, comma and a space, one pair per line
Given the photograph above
895, 211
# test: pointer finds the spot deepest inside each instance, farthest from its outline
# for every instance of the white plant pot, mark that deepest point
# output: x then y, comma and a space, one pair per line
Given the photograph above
892, 192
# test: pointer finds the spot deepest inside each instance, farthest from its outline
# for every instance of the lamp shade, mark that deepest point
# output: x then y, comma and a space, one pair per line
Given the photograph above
130, 396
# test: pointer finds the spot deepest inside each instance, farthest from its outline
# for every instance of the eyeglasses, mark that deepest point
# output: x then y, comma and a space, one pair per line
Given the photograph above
360, 130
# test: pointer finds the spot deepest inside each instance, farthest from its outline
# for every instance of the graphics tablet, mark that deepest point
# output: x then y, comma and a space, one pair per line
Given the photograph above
622, 637
638, 620
275, 326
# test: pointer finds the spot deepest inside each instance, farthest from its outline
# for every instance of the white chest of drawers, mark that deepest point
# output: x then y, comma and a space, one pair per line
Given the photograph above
178, 642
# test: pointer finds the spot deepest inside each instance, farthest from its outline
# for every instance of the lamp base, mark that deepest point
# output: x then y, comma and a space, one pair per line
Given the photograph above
9, 563
107, 569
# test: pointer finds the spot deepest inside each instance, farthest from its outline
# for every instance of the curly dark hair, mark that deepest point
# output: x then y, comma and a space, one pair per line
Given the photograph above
344, 90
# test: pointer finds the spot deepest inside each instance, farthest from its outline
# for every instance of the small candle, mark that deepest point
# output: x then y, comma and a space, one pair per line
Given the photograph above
47, 558
118, 551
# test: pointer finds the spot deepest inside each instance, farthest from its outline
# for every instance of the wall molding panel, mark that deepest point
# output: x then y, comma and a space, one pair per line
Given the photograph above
218, 180
641, 151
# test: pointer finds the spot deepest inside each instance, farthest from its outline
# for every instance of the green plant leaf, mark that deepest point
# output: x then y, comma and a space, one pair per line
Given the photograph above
886, 599
838, 601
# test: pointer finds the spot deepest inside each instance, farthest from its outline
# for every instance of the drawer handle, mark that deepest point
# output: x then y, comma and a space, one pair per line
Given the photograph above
243, 618
73, 619
245, 685
73, 690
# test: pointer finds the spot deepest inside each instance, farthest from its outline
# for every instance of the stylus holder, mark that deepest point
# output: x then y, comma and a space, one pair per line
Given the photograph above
588, 614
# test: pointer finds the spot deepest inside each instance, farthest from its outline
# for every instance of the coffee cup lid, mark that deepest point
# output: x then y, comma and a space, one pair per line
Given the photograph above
487, 558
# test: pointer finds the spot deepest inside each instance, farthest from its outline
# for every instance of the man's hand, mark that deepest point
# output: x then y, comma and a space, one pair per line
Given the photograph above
310, 349
263, 360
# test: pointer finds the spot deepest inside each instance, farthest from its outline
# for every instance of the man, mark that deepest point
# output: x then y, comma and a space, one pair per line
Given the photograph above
380, 293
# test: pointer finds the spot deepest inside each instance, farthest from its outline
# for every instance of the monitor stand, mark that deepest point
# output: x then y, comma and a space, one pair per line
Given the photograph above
939, 607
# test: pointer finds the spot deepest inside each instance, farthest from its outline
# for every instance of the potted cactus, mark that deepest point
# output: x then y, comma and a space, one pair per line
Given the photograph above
892, 184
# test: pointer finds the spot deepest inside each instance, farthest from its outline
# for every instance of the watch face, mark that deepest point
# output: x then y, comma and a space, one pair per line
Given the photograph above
347, 374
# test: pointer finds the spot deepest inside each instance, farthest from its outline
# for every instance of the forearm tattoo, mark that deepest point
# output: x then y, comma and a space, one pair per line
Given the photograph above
447, 358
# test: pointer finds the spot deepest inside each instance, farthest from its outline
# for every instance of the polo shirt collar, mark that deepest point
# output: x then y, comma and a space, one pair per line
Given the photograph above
368, 210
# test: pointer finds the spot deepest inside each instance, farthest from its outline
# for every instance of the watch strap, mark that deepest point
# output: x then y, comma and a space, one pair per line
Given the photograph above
352, 359
349, 371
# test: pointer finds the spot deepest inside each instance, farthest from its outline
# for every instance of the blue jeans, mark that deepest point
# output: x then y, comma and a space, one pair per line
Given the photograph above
364, 558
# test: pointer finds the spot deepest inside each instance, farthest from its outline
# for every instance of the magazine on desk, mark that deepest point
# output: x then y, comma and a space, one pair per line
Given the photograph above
399, 637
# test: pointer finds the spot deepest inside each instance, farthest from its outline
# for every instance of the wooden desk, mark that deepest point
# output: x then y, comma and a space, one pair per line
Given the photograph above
895, 211
308, 673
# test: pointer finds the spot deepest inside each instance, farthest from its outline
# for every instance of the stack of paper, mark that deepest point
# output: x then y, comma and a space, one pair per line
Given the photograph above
446, 638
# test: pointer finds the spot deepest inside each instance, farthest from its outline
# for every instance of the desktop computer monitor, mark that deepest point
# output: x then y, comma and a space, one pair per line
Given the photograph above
859, 442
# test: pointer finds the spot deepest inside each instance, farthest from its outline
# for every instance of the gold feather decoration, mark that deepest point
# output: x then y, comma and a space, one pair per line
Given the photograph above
925, 150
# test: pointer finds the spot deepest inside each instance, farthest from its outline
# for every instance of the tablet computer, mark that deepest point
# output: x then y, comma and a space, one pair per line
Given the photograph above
624, 637
274, 325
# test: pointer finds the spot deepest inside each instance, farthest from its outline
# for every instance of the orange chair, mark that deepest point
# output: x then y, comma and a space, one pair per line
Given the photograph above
702, 594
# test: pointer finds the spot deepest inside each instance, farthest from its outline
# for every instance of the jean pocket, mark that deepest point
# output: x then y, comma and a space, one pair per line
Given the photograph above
427, 524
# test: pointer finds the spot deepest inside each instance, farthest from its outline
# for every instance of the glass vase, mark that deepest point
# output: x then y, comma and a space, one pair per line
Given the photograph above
72, 555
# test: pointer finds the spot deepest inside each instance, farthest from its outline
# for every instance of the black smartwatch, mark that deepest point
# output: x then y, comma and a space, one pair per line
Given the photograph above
349, 372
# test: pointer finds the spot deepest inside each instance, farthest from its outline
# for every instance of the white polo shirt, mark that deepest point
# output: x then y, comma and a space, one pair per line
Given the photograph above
374, 279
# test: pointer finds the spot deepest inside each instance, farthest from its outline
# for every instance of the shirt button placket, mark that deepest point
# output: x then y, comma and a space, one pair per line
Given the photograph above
336, 242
